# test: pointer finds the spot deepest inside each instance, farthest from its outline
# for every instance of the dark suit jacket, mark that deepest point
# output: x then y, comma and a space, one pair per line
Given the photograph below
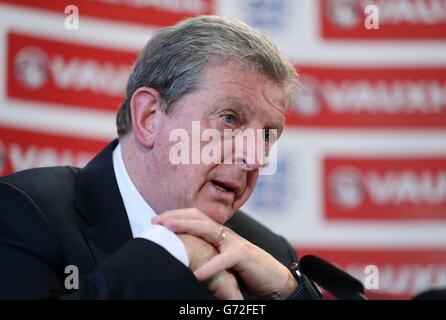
54, 217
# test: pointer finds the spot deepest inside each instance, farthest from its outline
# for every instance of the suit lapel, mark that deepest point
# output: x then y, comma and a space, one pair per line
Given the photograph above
100, 204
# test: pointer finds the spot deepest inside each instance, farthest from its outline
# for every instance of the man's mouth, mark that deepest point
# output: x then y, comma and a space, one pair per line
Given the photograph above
226, 186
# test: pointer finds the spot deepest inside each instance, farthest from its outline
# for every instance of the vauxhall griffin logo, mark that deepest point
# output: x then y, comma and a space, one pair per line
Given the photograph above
345, 13
346, 187
31, 67
309, 97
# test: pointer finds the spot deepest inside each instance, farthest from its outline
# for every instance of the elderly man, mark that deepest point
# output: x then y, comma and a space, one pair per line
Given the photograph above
136, 224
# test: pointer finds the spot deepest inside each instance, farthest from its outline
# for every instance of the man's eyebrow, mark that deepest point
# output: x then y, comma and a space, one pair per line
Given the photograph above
245, 107
237, 103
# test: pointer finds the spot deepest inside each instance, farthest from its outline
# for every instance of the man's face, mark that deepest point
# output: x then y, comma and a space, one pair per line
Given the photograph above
229, 98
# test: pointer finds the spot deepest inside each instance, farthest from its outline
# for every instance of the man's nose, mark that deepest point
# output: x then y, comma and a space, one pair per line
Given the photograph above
251, 163
249, 151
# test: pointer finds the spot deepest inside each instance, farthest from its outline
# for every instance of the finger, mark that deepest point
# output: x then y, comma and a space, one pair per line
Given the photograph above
189, 213
218, 263
207, 230
224, 286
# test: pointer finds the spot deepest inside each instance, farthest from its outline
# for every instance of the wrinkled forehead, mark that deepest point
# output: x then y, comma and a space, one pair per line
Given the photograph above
236, 83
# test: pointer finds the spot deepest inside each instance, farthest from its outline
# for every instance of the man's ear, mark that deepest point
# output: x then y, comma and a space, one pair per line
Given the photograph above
144, 105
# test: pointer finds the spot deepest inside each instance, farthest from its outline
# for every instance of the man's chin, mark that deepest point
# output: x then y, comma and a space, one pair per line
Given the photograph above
217, 212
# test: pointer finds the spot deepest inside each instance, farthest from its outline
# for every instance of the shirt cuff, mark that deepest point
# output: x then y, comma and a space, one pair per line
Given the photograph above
168, 240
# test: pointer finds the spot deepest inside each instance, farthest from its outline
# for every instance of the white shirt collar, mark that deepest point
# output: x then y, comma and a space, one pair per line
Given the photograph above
140, 213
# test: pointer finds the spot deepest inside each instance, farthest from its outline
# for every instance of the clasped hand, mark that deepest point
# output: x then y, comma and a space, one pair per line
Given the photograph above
216, 254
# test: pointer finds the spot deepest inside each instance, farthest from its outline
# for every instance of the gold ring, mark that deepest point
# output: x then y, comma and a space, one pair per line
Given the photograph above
222, 236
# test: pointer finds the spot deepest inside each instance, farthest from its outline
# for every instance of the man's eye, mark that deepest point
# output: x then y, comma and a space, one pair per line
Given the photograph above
230, 118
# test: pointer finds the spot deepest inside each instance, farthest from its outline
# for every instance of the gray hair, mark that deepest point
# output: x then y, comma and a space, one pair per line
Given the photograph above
173, 60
